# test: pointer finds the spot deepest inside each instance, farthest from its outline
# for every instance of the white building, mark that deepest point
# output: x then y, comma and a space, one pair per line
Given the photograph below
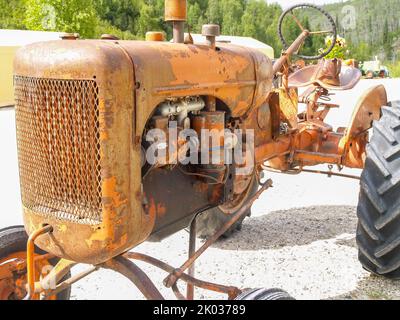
10, 41
241, 41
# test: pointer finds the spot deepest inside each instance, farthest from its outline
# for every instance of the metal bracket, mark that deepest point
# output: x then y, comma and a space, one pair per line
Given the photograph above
177, 273
137, 276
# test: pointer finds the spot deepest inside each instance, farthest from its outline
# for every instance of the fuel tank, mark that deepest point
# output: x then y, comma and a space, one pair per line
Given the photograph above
238, 76
81, 109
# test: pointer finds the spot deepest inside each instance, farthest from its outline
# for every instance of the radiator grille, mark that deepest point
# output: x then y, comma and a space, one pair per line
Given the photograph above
59, 148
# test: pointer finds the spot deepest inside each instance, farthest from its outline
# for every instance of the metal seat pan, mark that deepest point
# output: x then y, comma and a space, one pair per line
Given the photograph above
349, 77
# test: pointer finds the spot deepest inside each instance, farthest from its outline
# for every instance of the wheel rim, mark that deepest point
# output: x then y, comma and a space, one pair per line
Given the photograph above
14, 288
239, 197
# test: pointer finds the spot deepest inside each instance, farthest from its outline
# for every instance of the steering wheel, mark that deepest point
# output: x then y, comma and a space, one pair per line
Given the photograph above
332, 31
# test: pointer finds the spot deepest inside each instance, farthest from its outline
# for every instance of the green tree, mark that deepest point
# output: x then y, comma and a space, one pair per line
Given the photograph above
122, 14
308, 47
232, 12
151, 17
387, 40
62, 15
290, 30
361, 52
105, 27
195, 16
213, 13
12, 14
385, 37
250, 15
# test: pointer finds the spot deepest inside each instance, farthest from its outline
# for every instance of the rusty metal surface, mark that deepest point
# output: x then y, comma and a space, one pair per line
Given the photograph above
332, 174
161, 199
236, 76
348, 78
192, 250
60, 270
177, 273
178, 31
85, 179
211, 32
239, 77
59, 148
70, 281
232, 292
128, 269
123, 223
108, 37
368, 109
84, 106
155, 36
294, 47
310, 141
119, 264
175, 10
273, 149
70, 36
14, 277
30, 254
288, 106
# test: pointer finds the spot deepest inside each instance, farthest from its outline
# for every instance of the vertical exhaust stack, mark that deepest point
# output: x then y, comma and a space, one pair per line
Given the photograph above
176, 12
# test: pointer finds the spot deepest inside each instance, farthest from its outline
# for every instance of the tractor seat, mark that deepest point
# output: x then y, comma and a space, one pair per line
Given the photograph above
328, 74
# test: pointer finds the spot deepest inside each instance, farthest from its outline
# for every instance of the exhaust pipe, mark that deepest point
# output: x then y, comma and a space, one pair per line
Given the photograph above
176, 12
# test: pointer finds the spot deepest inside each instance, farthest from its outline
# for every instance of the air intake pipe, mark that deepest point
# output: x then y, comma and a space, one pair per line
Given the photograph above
176, 12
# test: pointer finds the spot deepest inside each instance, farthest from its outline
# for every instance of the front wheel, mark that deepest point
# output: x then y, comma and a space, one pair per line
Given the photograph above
378, 233
209, 222
13, 242
264, 294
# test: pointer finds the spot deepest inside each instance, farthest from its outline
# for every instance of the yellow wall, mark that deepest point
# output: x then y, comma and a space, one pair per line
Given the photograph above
6, 75
269, 52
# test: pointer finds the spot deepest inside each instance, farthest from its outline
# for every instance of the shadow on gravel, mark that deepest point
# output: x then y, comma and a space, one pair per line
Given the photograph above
373, 288
294, 227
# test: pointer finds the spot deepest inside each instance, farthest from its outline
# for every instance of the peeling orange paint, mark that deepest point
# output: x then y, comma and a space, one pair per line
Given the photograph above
109, 187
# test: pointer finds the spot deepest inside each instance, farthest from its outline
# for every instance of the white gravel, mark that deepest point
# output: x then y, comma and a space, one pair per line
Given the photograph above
301, 236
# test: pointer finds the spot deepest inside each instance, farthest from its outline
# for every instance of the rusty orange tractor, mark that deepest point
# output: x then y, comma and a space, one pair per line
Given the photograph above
104, 129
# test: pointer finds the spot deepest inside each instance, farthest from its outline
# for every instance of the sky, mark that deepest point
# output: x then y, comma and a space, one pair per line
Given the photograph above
288, 3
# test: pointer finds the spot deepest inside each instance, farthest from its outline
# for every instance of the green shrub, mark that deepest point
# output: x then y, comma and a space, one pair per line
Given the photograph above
339, 50
394, 69
105, 27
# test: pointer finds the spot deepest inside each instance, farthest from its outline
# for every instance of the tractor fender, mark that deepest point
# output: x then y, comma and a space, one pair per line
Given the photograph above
368, 110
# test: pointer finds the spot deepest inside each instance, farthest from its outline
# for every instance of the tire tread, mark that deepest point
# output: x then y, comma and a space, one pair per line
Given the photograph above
378, 233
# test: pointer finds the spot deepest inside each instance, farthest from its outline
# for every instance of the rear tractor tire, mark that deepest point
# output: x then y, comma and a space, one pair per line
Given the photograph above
378, 232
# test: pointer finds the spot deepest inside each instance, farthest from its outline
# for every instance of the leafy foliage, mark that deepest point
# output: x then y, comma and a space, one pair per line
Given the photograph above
338, 51
375, 28
394, 69
69, 16
376, 31
12, 13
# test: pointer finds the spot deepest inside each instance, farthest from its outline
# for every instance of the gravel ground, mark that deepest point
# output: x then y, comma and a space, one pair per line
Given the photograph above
301, 236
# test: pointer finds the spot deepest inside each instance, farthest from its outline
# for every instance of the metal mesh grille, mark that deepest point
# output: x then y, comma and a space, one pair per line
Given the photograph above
59, 148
